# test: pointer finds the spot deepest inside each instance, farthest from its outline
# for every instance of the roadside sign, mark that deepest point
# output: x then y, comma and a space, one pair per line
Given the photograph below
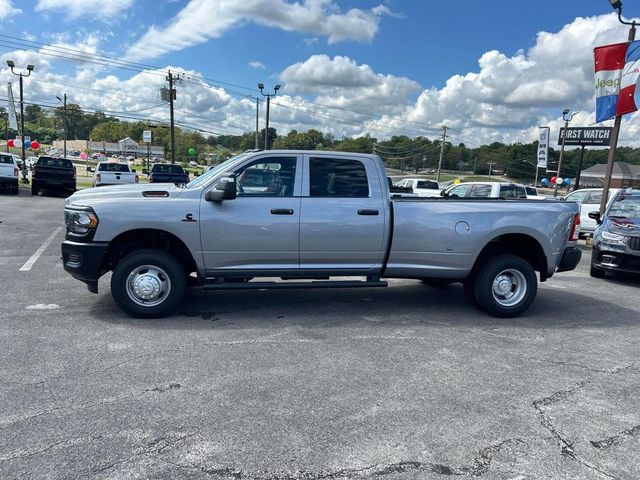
586, 136
146, 136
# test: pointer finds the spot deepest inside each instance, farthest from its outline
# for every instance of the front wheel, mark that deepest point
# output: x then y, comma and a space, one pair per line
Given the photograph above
148, 283
505, 286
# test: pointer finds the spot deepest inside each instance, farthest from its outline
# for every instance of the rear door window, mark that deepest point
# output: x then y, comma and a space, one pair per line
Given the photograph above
329, 177
577, 197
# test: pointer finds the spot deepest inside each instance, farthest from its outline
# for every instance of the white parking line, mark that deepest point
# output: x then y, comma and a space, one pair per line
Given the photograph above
29, 263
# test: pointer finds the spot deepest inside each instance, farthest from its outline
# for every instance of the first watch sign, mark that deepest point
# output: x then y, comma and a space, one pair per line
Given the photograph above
586, 136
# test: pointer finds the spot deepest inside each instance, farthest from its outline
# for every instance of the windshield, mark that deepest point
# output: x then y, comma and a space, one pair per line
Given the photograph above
626, 206
205, 177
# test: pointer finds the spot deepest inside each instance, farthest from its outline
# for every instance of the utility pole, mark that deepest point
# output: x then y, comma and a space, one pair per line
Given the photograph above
172, 96
257, 115
64, 122
444, 139
490, 166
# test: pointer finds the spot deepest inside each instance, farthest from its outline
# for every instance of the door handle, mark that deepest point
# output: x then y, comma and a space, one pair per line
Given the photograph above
282, 211
368, 212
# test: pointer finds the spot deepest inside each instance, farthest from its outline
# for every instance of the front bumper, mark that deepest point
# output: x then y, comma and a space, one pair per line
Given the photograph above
84, 261
615, 260
570, 259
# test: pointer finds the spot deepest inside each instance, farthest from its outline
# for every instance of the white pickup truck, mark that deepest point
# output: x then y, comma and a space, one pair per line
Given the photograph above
111, 173
302, 216
9, 172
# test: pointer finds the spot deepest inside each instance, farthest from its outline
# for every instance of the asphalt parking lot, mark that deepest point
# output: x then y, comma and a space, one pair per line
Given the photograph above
407, 382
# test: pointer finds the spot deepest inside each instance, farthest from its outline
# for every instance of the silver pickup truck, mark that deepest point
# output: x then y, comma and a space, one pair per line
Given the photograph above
304, 219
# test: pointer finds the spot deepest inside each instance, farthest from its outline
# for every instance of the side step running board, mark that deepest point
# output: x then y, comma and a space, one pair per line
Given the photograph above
274, 285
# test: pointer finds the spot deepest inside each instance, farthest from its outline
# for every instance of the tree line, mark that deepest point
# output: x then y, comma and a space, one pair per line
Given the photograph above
399, 152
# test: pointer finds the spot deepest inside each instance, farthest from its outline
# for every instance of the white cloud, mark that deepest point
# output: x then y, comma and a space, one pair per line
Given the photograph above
8, 10
202, 20
256, 64
104, 9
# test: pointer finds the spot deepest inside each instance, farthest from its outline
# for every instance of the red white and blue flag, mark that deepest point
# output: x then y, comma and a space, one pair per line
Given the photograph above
617, 70
628, 100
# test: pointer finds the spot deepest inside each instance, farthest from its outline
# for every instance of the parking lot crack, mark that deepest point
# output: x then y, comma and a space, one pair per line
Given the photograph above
566, 445
616, 439
479, 467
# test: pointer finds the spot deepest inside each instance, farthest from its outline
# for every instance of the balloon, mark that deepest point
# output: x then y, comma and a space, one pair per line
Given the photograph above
83, 155
27, 144
35, 145
559, 181
544, 181
553, 179
10, 143
567, 181
192, 151
17, 142
456, 181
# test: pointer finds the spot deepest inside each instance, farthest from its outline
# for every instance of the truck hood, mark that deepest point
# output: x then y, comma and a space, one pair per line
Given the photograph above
137, 191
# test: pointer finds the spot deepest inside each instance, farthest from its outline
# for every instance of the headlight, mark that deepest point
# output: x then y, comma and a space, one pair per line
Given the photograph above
612, 237
80, 221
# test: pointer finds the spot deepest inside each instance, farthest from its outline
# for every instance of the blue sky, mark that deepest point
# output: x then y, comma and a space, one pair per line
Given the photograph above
350, 67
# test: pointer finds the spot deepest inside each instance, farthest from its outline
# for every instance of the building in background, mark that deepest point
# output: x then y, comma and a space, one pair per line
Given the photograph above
126, 146
624, 175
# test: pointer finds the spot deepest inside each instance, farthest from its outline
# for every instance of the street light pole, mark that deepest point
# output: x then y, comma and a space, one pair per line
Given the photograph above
20, 74
268, 95
566, 116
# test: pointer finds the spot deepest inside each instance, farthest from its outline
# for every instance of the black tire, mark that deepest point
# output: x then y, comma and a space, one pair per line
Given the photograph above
437, 282
160, 277
34, 188
505, 286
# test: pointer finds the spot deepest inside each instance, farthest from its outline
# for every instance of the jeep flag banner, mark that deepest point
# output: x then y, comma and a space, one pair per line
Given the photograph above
628, 99
11, 109
543, 147
617, 68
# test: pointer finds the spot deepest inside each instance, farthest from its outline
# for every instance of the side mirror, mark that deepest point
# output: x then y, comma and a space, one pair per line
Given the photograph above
133, 170
224, 190
91, 169
145, 171
596, 216
443, 192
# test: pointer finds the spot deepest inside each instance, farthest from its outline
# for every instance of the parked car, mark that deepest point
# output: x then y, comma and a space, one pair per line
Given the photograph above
485, 190
9, 173
422, 187
533, 194
111, 173
53, 174
300, 215
168, 173
616, 242
589, 200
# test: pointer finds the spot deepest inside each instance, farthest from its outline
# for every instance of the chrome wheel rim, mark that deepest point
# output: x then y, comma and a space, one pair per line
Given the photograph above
148, 285
509, 287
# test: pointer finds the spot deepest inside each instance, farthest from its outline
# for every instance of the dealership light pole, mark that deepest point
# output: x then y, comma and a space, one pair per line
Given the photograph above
20, 74
268, 95
613, 143
567, 115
